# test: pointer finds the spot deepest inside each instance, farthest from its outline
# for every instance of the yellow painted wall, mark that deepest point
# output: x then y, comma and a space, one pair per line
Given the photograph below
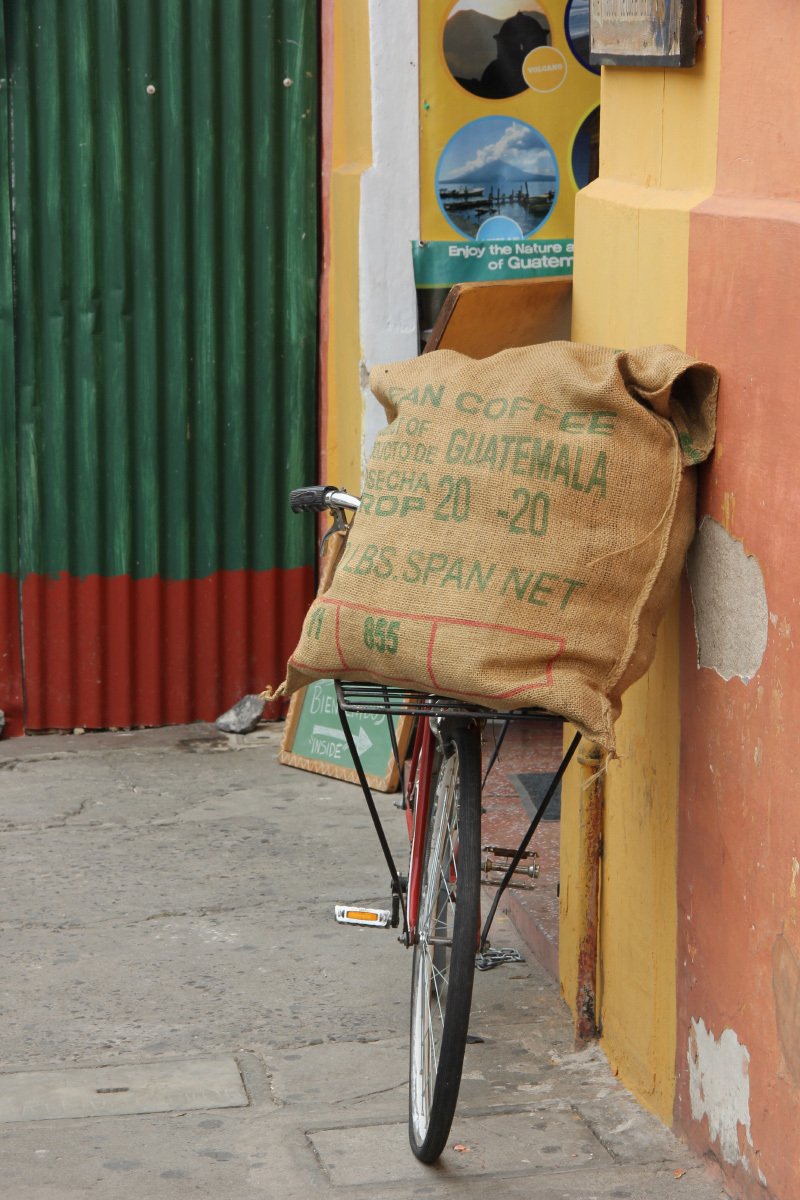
351, 156
657, 161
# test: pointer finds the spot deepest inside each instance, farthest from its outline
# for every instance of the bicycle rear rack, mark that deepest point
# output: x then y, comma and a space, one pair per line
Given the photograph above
376, 698
404, 702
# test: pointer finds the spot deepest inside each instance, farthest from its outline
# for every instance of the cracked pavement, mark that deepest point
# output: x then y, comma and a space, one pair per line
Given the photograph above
168, 899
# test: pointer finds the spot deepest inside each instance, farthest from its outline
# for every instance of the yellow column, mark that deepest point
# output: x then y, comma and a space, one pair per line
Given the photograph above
350, 157
658, 157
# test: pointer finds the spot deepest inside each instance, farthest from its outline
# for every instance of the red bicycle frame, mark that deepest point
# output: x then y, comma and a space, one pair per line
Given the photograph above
417, 797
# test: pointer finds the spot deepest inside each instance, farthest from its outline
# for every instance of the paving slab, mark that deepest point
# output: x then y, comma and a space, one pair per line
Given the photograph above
551, 1138
165, 1086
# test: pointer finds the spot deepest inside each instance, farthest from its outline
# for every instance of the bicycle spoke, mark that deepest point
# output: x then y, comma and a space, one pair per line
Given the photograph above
437, 994
432, 1039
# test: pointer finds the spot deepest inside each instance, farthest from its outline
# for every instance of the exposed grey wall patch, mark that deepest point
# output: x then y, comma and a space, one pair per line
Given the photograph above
731, 617
719, 1088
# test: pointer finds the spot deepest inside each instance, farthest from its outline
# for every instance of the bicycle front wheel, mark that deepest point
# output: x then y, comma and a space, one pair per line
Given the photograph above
443, 967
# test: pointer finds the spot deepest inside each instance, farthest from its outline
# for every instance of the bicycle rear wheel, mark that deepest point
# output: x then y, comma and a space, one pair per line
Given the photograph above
443, 967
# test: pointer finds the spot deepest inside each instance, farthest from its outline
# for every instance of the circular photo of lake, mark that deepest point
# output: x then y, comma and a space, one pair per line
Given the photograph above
586, 150
487, 41
576, 24
497, 178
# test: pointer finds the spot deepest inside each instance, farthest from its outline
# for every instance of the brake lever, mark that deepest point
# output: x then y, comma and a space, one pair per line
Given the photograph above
338, 525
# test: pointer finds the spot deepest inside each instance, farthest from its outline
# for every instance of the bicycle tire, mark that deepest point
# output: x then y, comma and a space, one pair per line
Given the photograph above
442, 975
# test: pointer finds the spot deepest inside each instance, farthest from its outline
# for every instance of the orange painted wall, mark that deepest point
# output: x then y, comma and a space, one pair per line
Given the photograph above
739, 831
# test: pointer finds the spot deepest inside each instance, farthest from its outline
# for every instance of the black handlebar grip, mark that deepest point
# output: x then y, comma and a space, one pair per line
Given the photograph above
310, 499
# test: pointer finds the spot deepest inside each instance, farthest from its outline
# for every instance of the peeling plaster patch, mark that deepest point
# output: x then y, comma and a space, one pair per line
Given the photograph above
363, 375
731, 617
786, 989
719, 1087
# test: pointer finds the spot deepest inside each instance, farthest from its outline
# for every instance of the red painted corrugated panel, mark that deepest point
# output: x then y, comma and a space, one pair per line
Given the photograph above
115, 652
10, 660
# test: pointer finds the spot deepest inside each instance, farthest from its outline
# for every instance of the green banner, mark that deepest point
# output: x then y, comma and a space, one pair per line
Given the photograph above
441, 264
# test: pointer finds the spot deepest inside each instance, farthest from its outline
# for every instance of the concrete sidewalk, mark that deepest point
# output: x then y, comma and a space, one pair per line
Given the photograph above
182, 1017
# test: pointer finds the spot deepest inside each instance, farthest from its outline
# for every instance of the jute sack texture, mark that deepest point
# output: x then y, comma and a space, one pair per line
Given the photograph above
524, 521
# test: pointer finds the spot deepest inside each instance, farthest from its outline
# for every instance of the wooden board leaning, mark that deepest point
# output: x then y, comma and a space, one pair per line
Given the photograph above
313, 739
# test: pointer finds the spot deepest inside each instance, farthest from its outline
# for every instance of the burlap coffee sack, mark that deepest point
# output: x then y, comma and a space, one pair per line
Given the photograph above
524, 521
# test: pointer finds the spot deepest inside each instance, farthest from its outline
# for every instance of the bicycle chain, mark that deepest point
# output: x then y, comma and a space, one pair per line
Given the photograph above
496, 957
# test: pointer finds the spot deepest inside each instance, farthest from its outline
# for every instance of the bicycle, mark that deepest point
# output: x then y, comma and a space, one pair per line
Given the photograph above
438, 901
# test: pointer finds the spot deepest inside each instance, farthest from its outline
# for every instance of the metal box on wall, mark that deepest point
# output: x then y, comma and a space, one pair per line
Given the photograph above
643, 33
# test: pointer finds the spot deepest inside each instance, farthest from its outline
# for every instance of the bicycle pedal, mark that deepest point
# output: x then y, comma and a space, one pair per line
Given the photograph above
349, 914
505, 852
492, 865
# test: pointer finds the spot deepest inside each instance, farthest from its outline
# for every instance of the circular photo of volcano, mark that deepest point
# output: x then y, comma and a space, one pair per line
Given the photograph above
487, 41
497, 178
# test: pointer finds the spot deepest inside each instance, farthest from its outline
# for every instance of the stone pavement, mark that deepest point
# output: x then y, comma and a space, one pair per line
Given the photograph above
182, 1017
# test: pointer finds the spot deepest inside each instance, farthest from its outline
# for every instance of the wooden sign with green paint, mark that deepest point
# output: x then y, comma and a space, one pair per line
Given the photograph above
314, 739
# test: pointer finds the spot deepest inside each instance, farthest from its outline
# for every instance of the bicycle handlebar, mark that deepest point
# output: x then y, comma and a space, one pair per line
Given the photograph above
321, 497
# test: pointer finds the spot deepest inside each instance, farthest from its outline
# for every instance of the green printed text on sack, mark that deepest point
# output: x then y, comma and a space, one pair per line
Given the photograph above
451, 500
436, 569
530, 457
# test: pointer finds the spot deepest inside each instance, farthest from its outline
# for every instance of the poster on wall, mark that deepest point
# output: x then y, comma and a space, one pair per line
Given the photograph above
509, 131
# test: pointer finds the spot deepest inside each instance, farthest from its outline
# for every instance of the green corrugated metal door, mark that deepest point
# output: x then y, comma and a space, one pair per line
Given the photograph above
164, 167
10, 656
